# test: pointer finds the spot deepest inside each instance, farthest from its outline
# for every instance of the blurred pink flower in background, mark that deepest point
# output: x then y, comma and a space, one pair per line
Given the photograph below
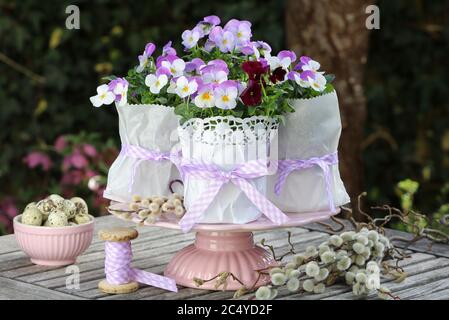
8, 211
60, 143
35, 159
90, 150
73, 177
76, 160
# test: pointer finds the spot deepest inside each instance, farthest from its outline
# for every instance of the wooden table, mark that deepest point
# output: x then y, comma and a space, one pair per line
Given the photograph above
428, 271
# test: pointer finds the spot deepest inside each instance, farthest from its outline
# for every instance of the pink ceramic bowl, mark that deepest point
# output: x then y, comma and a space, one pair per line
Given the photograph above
49, 246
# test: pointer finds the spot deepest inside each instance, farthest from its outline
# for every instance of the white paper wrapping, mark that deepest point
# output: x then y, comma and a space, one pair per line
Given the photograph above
227, 142
313, 130
153, 127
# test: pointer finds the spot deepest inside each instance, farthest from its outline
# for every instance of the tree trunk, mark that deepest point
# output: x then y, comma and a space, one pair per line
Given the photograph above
334, 33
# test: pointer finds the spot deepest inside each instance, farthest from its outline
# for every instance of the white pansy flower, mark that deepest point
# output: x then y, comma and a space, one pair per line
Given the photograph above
190, 38
308, 285
104, 96
263, 293
311, 65
312, 269
205, 98
318, 83
226, 98
293, 284
156, 83
278, 279
172, 87
185, 87
122, 91
176, 67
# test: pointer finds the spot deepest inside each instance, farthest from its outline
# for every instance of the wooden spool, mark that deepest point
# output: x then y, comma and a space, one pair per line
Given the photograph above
118, 235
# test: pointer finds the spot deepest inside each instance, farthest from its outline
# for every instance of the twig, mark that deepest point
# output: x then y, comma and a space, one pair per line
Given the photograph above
22, 69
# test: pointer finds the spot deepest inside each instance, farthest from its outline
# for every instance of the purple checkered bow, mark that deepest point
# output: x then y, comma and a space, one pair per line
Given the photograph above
217, 178
143, 154
285, 167
118, 270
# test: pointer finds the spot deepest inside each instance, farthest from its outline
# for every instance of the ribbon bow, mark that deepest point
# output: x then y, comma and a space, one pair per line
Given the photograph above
217, 178
285, 167
143, 154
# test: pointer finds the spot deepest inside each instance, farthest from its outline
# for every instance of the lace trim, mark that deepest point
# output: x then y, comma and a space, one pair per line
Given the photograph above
228, 130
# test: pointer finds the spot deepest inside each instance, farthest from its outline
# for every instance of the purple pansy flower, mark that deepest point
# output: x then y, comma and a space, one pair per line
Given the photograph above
144, 58
168, 50
194, 65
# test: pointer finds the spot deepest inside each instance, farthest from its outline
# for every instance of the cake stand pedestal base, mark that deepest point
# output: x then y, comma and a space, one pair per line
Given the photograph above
214, 252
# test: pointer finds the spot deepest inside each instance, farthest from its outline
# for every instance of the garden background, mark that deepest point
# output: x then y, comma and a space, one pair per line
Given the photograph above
393, 86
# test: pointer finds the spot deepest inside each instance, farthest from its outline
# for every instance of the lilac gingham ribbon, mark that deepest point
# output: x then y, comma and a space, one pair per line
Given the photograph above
143, 154
217, 178
118, 270
285, 167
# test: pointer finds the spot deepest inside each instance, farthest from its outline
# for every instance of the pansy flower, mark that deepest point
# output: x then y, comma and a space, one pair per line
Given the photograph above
204, 27
119, 87
104, 96
176, 67
254, 69
205, 97
278, 75
168, 50
241, 30
144, 60
252, 95
156, 83
184, 87
226, 95
190, 38
222, 39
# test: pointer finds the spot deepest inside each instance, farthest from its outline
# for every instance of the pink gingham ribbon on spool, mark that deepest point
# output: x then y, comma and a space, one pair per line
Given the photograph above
217, 178
285, 167
143, 154
118, 268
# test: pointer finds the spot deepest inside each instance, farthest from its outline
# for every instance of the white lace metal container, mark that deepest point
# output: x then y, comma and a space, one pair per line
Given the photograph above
152, 128
227, 142
312, 131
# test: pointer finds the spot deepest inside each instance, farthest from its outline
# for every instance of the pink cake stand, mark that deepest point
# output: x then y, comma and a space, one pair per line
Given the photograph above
224, 247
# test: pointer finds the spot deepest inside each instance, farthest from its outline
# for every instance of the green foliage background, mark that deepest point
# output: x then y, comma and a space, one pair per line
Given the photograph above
406, 80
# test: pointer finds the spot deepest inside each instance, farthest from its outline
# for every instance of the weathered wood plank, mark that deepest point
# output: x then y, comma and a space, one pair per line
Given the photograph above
162, 260
425, 290
17, 290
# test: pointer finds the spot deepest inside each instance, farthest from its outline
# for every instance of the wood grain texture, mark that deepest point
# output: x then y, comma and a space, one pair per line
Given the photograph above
19, 279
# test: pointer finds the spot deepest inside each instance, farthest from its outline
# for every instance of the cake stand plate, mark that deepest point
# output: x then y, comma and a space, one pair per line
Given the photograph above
223, 247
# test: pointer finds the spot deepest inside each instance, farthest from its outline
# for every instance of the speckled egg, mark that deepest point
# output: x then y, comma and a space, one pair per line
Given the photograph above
32, 216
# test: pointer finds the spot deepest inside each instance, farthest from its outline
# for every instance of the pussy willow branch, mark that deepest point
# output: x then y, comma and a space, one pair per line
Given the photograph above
271, 248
